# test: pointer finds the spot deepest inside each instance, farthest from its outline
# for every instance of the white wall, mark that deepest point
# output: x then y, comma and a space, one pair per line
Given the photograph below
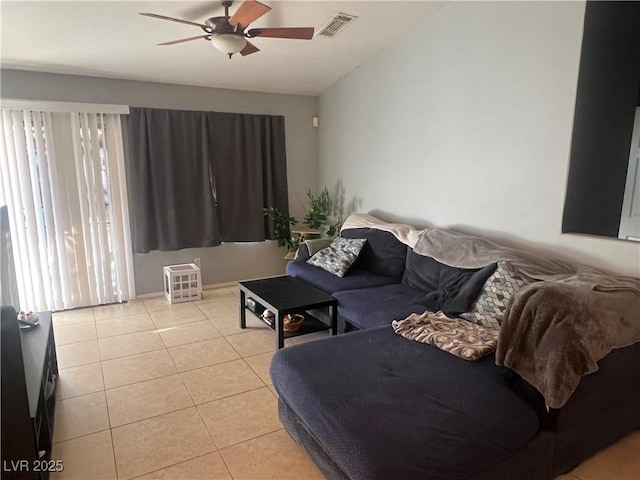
229, 262
466, 122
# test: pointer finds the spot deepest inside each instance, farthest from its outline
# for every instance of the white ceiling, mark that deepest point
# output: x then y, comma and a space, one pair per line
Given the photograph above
110, 39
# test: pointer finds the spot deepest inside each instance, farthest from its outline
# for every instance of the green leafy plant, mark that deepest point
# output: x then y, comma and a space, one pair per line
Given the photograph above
318, 216
334, 228
319, 209
282, 223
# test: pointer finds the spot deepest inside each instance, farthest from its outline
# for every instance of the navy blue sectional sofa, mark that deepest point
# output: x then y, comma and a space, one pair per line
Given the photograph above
372, 405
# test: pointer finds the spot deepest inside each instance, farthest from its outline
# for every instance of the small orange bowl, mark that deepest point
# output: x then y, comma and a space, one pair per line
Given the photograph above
293, 322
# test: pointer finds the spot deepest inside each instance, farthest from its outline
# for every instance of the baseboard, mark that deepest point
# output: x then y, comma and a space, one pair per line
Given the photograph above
205, 287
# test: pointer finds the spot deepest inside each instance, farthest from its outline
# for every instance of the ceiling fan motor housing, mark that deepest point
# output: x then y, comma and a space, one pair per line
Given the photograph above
221, 25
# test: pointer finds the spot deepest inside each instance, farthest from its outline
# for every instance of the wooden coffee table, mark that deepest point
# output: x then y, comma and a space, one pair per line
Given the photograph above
286, 295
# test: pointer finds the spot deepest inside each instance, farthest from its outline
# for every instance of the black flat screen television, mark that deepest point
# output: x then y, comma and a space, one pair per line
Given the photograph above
8, 283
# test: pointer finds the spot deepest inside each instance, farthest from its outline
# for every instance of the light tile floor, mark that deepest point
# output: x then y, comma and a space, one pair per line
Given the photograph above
150, 390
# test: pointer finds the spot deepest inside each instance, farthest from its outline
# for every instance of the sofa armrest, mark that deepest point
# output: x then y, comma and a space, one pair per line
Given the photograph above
309, 247
302, 253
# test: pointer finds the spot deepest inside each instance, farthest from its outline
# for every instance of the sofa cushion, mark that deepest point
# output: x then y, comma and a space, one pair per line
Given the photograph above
416, 412
488, 310
328, 283
383, 254
449, 289
377, 306
338, 257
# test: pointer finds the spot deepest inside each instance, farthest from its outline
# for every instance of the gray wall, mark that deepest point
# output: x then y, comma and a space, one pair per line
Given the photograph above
466, 121
230, 262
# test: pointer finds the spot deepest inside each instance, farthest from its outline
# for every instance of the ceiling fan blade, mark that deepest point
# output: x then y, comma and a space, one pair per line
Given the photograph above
299, 33
204, 10
249, 11
171, 19
173, 42
249, 49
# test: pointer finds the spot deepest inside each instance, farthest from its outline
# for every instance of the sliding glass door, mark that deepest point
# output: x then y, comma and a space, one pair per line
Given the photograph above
63, 183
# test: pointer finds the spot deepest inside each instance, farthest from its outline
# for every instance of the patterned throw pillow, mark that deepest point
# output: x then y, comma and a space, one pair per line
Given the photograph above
488, 309
338, 257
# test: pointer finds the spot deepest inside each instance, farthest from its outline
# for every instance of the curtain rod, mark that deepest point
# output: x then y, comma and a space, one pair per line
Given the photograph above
48, 106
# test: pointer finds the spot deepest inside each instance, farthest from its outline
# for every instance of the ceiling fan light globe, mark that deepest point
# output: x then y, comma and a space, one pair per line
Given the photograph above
228, 43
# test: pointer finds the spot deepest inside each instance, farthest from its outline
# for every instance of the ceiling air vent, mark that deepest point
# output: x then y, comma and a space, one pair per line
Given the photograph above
339, 22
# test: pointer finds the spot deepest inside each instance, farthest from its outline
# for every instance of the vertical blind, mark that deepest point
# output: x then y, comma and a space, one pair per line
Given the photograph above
63, 182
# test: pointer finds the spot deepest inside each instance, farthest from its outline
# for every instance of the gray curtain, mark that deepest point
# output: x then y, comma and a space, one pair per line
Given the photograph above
202, 178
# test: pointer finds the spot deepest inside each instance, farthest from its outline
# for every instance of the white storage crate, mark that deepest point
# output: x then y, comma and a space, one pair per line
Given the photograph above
182, 283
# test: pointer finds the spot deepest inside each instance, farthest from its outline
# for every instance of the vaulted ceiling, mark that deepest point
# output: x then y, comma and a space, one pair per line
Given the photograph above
109, 39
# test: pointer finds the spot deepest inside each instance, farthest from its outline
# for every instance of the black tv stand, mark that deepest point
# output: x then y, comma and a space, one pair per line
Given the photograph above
29, 384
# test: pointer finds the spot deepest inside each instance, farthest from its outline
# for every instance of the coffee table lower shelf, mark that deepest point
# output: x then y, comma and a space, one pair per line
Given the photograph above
310, 325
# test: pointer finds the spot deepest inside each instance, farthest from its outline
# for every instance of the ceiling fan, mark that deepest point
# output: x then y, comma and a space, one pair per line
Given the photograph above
227, 33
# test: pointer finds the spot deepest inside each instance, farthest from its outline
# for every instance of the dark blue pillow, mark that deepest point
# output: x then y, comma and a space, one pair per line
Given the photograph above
445, 288
424, 273
383, 254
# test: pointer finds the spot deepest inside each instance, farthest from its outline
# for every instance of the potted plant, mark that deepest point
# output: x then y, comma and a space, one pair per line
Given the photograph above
319, 209
319, 213
282, 223
316, 218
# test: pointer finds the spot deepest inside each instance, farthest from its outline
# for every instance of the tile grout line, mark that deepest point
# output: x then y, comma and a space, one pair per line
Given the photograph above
207, 366
200, 341
178, 463
252, 438
118, 317
113, 449
254, 372
233, 395
154, 330
106, 401
58, 318
138, 381
232, 347
79, 436
206, 427
130, 354
76, 343
226, 466
206, 319
154, 416
194, 320
100, 357
76, 366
